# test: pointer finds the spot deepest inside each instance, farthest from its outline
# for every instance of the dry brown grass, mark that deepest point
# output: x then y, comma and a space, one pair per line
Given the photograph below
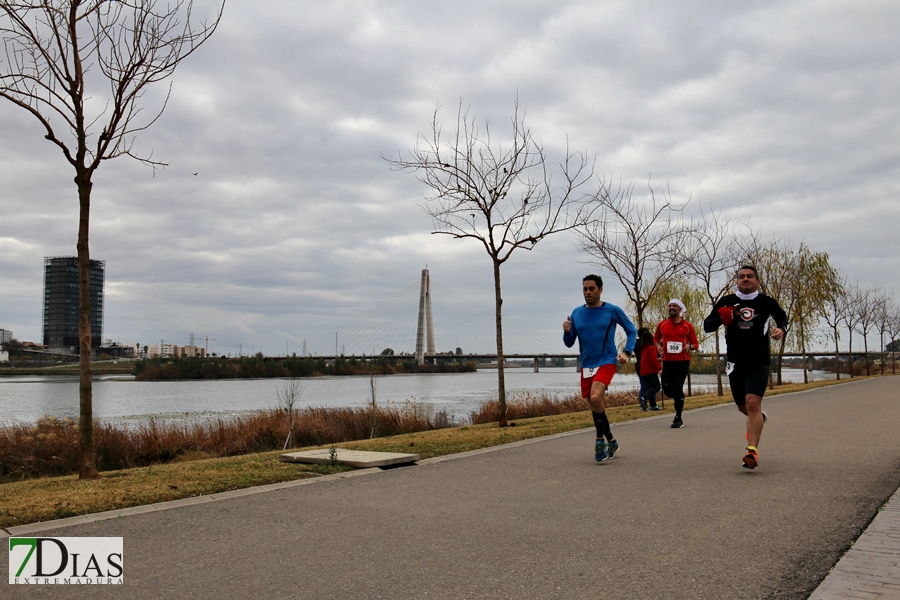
50, 447
527, 405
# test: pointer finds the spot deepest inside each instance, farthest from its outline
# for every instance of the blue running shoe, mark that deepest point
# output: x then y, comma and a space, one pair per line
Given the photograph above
600, 451
611, 448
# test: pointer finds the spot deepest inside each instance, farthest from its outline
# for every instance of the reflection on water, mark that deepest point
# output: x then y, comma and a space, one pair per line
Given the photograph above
122, 399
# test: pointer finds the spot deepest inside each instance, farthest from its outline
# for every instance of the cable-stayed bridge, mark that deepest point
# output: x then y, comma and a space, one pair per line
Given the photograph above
426, 320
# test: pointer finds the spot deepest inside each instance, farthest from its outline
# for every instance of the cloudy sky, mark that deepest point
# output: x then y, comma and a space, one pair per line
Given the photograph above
785, 113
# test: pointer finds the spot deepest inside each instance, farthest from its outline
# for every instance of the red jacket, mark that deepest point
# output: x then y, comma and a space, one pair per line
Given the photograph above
676, 335
649, 361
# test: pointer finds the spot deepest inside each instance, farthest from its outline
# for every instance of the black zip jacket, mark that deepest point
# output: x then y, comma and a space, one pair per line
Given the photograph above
747, 338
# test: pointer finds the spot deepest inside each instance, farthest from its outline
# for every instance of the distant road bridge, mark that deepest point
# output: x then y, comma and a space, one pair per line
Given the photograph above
404, 327
538, 357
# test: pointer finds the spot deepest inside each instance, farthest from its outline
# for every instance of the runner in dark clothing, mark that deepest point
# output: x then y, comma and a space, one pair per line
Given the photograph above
745, 315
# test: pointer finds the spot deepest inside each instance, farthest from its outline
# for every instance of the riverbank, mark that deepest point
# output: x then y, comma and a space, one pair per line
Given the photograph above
70, 370
259, 366
57, 497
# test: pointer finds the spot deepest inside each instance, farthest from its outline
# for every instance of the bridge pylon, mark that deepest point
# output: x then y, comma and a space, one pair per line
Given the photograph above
425, 330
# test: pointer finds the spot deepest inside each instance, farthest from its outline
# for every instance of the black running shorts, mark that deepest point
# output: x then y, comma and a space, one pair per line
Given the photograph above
745, 381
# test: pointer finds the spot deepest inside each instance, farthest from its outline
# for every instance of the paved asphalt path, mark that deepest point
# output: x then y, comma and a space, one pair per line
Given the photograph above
673, 516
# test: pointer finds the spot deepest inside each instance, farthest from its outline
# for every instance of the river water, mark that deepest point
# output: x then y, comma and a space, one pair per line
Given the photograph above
121, 399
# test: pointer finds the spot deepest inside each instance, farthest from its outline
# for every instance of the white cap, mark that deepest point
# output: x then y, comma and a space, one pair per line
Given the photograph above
679, 303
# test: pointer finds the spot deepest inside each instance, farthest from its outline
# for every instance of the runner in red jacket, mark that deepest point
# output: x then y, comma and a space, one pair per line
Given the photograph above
675, 338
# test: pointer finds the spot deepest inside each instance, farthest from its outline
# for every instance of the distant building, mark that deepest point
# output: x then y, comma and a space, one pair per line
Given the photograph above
188, 352
115, 349
154, 350
5, 336
60, 325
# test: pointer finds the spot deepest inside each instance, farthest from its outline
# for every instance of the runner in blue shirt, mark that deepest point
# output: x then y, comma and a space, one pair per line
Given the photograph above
594, 325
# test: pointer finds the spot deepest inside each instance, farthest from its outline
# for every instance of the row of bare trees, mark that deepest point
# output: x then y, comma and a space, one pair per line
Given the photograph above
696, 260
864, 310
507, 195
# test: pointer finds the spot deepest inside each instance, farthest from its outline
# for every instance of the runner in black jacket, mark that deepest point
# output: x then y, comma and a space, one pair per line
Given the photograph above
745, 315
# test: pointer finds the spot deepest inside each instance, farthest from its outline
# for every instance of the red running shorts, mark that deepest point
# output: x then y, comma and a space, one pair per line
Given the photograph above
602, 374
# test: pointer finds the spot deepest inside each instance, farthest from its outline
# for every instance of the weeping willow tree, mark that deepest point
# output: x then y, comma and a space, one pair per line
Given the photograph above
814, 281
695, 303
801, 280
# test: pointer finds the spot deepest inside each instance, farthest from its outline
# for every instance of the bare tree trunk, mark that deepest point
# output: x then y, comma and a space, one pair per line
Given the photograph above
850, 352
780, 358
866, 352
837, 355
374, 405
803, 353
719, 388
88, 467
501, 382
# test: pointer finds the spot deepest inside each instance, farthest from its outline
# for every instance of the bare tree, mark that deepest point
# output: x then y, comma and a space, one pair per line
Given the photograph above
501, 195
884, 303
834, 315
288, 395
639, 242
850, 316
893, 332
712, 260
58, 55
865, 306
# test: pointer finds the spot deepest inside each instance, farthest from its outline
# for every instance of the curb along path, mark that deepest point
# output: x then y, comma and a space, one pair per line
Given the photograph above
871, 568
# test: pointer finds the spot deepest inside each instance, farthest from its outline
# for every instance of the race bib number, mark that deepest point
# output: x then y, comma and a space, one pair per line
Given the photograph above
674, 347
729, 367
589, 373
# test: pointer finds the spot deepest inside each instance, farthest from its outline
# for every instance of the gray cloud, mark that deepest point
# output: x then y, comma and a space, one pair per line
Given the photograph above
781, 113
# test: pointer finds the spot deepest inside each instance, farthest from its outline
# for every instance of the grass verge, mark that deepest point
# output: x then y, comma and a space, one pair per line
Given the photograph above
49, 498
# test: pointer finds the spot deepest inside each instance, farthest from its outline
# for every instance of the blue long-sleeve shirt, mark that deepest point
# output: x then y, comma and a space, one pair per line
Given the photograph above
595, 329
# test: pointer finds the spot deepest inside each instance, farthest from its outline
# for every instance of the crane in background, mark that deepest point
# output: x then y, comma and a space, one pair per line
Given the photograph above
193, 337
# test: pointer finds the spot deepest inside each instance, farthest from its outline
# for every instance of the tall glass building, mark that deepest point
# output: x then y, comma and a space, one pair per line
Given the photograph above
61, 302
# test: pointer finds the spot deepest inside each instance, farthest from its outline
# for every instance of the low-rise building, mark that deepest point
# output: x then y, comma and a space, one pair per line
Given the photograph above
168, 351
115, 349
158, 351
188, 352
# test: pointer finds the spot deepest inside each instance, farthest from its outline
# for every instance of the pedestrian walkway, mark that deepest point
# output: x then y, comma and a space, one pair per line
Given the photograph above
871, 568
672, 516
